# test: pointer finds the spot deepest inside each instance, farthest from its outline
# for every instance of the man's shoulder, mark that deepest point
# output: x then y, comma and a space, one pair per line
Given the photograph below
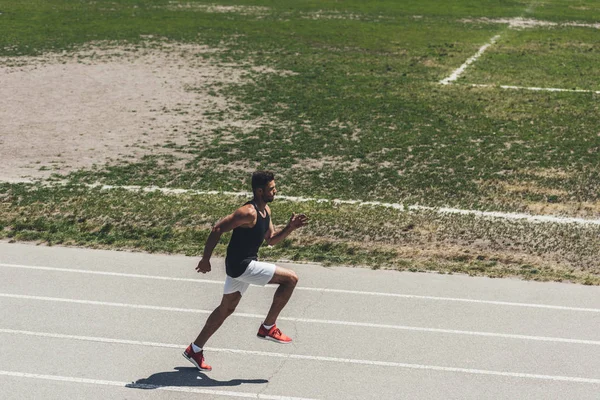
247, 210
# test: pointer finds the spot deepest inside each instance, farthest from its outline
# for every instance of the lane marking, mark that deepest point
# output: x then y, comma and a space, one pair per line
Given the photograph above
538, 89
109, 273
316, 358
310, 320
325, 290
73, 379
396, 206
456, 74
492, 302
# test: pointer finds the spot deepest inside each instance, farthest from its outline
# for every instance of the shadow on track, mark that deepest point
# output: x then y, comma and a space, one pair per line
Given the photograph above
184, 376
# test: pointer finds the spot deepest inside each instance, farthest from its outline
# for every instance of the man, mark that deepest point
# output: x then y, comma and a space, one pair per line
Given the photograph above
251, 225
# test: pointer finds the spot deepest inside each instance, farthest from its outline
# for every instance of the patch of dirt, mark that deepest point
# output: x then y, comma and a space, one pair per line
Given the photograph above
269, 70
66, 111
474, 258
564, 205
431, 63
317, 164
549, 173
528, 187
585, 209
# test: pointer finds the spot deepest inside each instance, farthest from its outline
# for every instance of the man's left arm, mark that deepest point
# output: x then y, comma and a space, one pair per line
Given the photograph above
296, 221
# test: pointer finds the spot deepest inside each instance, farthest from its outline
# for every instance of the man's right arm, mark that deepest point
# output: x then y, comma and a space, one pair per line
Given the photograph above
241, 216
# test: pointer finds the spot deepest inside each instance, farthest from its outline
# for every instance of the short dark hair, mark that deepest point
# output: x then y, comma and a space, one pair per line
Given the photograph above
260, 179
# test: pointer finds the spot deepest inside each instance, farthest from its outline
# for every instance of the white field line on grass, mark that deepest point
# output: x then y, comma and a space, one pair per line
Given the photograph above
537, 89
521, 23
307, 320
396, 206
456, 74
312, 289
132, 385
309, 358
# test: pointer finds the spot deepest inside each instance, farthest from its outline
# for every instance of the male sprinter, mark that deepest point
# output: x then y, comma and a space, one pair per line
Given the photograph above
251, 224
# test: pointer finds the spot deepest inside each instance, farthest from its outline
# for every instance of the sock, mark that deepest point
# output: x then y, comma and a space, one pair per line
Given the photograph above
267, 327
196, 348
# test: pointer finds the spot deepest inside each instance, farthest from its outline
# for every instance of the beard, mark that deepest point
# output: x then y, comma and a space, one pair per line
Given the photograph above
268, 199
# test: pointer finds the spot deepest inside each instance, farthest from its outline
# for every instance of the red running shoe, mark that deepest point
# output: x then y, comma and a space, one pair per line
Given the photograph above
273, 334
196, 358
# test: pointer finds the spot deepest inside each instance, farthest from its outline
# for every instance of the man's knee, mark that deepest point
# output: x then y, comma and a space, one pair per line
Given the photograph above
229, 304
292, 279
227, 310
284, 277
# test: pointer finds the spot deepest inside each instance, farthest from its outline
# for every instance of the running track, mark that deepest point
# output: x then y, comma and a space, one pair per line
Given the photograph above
78, 323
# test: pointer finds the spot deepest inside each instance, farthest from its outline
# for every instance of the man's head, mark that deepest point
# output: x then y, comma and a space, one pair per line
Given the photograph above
263, 186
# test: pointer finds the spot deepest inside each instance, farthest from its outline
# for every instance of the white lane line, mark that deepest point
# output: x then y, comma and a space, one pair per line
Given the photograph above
309, 320
413, 296
538, 89
454, 76
109, 273
314, 358
73, 379
396, 206
325, 290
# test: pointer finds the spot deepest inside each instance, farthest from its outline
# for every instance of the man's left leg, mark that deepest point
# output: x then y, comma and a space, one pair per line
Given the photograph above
287, 280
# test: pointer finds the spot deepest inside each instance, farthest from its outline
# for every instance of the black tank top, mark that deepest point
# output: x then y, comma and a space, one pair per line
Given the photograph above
244, 244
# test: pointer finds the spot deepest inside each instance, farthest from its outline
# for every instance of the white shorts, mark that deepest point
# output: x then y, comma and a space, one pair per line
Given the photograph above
257, 273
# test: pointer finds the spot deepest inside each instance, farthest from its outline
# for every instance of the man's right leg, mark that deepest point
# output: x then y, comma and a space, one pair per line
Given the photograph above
194, 353
218, 316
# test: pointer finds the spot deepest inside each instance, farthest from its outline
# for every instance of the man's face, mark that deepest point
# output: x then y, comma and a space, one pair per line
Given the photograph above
269, 192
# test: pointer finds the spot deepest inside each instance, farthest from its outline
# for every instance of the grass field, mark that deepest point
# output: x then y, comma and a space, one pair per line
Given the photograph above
355, 111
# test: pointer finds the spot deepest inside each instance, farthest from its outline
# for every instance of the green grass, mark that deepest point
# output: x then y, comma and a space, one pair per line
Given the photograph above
549, 57
376, 237
363, 117
416, 141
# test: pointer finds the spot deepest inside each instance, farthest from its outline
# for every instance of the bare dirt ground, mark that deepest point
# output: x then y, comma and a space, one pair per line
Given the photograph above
62, 112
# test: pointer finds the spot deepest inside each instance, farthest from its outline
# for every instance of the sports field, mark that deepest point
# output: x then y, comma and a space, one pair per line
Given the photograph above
438, 109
